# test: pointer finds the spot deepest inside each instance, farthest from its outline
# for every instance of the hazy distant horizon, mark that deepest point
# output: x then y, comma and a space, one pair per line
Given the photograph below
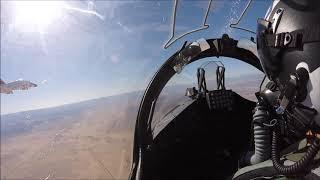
232, 78
70, 103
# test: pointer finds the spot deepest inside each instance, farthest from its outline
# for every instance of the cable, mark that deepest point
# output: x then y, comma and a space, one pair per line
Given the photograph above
264, 78
204, 65
299, 167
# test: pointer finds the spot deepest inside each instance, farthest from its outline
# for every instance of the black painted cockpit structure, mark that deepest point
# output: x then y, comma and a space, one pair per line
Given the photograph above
199, 143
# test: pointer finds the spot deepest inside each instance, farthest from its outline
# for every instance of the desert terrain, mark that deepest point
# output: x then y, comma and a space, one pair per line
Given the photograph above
86, 140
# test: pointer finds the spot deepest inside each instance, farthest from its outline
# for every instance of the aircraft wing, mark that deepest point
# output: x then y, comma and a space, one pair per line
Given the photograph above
20, 85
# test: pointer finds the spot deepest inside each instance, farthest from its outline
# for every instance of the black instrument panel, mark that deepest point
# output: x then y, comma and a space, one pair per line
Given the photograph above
220, 99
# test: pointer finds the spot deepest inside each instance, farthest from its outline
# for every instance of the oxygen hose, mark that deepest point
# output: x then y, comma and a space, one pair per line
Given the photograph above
298, 167
261, 136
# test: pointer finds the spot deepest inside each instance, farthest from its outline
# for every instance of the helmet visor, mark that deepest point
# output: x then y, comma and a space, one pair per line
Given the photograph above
267, 55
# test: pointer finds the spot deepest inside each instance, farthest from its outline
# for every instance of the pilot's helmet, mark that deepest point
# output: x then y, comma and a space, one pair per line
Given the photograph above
288, 38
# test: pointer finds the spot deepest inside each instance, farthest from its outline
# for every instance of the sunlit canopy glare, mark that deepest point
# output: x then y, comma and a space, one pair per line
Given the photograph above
38, 14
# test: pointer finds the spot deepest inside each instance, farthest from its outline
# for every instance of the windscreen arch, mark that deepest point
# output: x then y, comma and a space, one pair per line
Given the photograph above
239, 77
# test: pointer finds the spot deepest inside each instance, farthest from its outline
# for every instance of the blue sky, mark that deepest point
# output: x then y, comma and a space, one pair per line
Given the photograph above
88, 49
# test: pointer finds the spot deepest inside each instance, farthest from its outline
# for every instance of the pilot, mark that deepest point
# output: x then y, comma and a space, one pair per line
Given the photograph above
288, 43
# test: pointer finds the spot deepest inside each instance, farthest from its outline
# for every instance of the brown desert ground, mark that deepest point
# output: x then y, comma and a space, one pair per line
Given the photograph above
86, 140
90, 142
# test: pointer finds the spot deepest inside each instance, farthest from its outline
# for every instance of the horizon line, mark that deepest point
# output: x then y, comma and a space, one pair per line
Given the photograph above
69, 103
105, 96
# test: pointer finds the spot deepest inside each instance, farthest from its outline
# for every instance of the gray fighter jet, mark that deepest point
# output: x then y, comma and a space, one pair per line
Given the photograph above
8, 88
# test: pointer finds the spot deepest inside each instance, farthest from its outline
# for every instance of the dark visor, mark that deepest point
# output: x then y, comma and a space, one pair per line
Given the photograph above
267, 55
